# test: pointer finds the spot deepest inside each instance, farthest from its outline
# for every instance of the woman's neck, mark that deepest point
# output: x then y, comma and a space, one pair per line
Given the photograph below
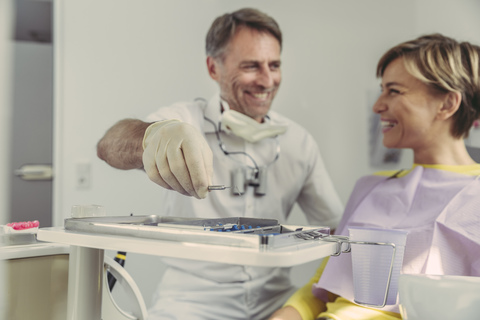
452, 153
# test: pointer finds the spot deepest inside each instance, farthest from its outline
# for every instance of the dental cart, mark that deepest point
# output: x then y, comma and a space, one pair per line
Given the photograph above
245, 241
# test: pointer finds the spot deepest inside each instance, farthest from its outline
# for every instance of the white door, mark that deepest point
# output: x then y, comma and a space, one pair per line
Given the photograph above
32, 115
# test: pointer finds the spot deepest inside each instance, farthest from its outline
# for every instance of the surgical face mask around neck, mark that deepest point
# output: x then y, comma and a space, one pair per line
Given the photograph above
247, 128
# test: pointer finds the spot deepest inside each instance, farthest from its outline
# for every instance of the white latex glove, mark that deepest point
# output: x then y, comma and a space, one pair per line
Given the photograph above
177, 157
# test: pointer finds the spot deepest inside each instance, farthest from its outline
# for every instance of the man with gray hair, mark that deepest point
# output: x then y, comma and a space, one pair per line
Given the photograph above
234, 138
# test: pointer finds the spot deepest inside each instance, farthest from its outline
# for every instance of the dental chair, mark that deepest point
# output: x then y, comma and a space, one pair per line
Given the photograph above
440, 297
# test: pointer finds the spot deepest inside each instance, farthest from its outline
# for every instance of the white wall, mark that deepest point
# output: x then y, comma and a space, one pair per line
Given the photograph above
5, 119
118, 59
6, 50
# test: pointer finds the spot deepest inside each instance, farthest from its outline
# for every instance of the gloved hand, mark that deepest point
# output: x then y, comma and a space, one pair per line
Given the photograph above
177, 157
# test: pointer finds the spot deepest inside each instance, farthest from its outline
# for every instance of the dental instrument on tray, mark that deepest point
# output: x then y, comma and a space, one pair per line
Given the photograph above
257, 233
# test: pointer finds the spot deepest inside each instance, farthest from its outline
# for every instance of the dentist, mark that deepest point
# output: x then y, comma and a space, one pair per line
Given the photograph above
234, 139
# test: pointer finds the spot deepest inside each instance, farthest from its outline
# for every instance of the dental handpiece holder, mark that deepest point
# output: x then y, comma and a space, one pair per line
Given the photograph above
376, 264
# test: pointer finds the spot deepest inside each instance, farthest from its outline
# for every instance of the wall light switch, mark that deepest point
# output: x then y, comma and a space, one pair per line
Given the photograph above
84, 175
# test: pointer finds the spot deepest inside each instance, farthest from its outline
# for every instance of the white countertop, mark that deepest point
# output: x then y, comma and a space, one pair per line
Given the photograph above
32, 250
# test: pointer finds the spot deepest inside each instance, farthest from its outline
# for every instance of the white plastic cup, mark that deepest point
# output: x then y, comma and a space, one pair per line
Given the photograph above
371, 264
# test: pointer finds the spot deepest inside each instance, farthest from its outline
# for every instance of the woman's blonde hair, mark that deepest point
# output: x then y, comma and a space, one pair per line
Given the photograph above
446, 66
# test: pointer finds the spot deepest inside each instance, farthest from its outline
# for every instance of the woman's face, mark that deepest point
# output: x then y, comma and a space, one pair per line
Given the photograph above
408, 110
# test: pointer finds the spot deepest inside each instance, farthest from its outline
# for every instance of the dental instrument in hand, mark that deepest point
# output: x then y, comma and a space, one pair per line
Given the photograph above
217, 187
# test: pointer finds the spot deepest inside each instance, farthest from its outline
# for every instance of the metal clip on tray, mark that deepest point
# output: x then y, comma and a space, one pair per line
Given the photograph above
261, 234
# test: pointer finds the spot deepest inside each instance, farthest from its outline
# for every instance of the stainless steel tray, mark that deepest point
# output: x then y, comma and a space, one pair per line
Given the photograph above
262, 234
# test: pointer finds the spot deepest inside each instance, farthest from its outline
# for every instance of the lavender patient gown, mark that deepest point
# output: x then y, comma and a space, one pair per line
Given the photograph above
441, 211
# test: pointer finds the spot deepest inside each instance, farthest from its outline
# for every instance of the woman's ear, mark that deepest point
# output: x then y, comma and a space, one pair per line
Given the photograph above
450, 105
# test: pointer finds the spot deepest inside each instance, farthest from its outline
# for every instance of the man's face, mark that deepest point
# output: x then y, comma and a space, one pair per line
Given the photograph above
249, 75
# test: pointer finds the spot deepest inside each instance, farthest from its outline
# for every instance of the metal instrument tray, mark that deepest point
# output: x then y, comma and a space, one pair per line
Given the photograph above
262, 234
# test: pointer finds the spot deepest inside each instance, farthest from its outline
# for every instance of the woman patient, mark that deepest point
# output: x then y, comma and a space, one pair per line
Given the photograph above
430, 99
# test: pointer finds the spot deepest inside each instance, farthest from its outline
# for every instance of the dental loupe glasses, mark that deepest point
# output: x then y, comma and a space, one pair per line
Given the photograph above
242, 177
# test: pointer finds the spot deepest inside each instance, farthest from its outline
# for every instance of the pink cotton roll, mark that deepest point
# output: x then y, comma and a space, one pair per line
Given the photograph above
24, 225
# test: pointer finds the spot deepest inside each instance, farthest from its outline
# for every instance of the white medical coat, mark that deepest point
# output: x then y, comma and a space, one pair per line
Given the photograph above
203, 290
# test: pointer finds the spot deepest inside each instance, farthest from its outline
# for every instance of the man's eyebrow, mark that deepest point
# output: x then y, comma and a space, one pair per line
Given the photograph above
257, 61
249, 62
